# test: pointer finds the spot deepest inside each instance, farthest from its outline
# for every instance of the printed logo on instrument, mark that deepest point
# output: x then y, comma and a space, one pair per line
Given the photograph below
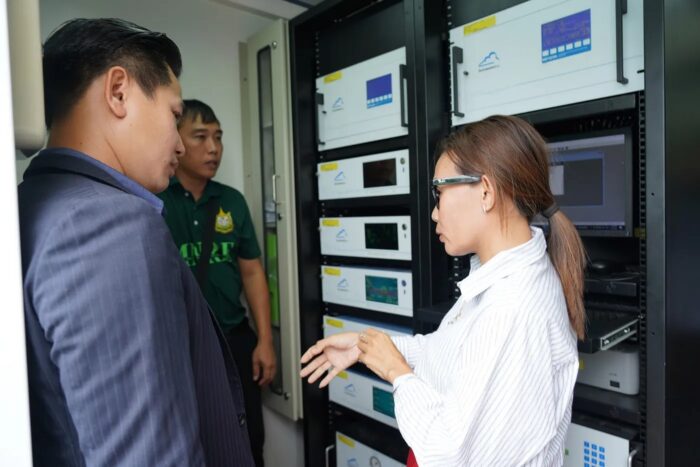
491, 60
341, 236
350, 390
339, 104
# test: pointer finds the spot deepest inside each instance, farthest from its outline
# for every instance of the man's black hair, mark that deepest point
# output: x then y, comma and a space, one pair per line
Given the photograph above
194, 108
82, 49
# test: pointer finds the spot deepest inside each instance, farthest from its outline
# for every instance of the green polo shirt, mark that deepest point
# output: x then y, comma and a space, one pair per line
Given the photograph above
234, 237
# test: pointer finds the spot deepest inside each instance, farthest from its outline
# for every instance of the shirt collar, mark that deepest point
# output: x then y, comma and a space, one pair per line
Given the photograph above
213, 189
129, 185
502, 265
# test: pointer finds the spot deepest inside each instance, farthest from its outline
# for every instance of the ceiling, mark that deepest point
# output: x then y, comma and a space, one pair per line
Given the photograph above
286, 9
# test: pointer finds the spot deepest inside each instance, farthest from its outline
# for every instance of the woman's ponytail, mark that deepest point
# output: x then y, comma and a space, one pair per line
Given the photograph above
569, 259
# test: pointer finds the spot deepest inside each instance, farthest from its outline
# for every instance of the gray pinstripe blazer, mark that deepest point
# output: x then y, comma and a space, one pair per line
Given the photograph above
123, 360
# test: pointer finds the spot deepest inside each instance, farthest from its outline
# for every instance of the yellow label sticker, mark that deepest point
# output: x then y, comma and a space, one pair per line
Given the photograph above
331, 222
328, 166
331, 271
343, 375
345, 440
336, 323
333, 77
580, 364
477, 26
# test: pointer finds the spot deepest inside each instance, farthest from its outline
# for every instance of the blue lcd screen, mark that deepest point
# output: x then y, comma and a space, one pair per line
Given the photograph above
379, 91
566, 36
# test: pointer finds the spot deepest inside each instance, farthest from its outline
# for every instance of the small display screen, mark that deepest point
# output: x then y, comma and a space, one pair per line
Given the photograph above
379, 91
382, 236
382, 290
379, 173
567, 36
383, 402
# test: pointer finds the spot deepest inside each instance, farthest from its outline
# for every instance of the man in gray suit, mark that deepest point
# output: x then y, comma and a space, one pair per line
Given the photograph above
123, 358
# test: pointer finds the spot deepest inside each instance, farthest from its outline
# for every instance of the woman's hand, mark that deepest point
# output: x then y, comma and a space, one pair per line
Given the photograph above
332, 354
381, 356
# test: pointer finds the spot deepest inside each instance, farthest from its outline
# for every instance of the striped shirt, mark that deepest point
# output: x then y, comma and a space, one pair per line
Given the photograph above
493, 385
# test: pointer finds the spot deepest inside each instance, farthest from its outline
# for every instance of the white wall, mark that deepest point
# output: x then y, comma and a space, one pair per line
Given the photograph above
284, 440
15, 440
207, 33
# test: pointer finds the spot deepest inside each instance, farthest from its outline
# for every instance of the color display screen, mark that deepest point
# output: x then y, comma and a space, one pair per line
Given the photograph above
379, 173
382, 236
382, 290
383, 402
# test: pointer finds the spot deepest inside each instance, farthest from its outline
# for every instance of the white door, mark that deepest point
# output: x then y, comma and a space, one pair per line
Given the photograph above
269, 187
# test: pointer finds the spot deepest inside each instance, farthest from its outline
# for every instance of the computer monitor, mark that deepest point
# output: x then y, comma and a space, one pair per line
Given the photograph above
590, 176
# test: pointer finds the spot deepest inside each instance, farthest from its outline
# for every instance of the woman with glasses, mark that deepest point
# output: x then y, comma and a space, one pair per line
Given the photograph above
493, 385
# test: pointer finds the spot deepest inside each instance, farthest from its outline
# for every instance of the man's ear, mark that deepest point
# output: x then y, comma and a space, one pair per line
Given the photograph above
117, 86
488, 193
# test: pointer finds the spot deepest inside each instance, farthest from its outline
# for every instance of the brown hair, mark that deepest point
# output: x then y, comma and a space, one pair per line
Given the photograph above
514, 156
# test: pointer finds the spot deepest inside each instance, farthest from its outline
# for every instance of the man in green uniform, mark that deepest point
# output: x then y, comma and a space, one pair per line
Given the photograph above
200, 211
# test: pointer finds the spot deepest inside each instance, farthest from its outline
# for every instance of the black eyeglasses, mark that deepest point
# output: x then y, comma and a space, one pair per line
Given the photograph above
458, 180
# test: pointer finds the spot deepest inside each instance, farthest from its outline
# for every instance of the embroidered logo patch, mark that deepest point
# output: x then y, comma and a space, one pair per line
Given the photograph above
224, 222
